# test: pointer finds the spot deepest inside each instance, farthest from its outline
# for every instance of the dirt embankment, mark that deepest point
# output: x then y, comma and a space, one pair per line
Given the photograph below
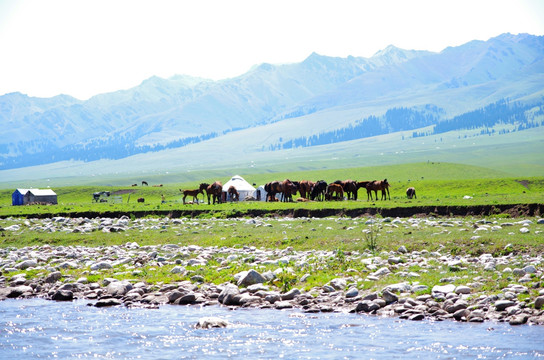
513, 210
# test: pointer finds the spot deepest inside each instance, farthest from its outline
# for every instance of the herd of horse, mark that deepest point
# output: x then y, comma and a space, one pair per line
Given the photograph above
320, 190
309, 191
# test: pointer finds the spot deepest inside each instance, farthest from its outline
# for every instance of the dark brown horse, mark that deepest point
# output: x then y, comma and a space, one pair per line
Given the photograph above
376, 185
234, 195
305, 188
272, 188
319, 190
363, 184
334, 189
349, 187
289, 188
193, 193
411, 193
214, 190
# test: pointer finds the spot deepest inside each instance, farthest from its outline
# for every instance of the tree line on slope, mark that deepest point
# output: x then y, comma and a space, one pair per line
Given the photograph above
520, 116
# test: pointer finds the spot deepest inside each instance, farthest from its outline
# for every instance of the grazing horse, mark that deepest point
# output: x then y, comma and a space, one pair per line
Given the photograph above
193, 193
134, 185
334, 189
411, 193
376, 185
234, 195
305, 188
349, 187
319, 190
215, 190
363, 184
272, 188
289, 188
144, 183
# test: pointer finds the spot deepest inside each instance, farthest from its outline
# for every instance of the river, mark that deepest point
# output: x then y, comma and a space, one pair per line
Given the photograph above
36, 328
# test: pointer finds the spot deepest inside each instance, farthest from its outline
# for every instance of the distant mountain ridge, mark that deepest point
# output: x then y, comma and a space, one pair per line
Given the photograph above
319, 92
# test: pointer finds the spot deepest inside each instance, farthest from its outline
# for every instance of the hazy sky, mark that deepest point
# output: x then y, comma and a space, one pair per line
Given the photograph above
83, 48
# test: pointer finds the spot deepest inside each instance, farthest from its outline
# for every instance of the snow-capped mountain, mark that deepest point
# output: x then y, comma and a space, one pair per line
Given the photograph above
298, 99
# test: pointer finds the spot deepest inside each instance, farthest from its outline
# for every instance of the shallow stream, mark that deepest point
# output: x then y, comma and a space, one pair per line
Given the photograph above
37, 328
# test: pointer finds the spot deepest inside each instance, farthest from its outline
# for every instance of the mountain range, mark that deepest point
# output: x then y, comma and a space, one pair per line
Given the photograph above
272, 108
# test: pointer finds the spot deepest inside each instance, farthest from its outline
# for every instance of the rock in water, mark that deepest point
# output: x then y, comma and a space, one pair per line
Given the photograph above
211, 322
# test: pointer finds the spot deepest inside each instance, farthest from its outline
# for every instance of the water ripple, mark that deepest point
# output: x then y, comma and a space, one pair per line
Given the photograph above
47, 329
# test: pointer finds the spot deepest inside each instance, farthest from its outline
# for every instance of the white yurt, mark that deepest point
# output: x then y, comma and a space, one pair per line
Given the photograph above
242, 186
260, 193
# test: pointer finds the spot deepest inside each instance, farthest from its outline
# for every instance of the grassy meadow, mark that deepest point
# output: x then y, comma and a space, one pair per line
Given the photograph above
436, 184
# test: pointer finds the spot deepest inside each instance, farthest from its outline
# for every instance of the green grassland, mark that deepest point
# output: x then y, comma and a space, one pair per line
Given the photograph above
436, 183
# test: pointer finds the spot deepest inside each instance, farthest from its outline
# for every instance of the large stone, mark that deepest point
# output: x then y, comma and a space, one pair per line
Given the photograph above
20, 290
211, 322
518, 319
501, 305
367, 306
290, 295
63, 295
26, 264
118, 288
389, 297
539, 302
230, 295
399, 288
53, 277
461, 289
178, 270
338, 283
443, 289
417, 317
461, 314
283, 305
459, 305
252, 277
108, 302
381, 272
102, 265
352, 292
186, 299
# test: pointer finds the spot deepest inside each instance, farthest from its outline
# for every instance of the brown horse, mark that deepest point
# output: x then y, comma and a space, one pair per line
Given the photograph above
334, 189
193, 193
376, 185
319, 190
363, 184
272, 188
305, 188
349, 187
411, 193
215, 190
234, 195
289, 188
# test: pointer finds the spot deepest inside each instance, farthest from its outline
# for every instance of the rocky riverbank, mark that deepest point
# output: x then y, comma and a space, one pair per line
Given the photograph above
112, 275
